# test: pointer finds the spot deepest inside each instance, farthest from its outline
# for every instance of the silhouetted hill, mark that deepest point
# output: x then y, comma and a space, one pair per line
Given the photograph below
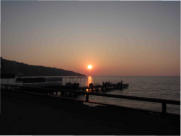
17, 68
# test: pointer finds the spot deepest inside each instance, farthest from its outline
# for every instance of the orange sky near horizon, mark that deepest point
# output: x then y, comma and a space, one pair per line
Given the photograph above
117, 38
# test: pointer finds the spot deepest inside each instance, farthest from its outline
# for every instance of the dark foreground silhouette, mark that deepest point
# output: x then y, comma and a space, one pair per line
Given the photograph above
28, 114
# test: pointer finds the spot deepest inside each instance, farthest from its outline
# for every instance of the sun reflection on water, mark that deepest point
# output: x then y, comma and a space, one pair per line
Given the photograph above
89, 80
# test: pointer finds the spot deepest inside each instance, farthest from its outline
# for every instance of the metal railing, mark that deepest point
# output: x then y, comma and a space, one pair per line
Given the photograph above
164, 102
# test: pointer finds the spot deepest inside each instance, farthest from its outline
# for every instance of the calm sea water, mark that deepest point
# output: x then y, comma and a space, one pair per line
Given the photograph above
151, 87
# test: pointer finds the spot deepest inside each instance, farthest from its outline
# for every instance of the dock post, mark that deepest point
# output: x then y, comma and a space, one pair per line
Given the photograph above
87, 97
164, 107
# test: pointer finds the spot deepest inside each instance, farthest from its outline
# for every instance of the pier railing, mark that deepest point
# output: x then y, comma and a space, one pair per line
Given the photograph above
163, 102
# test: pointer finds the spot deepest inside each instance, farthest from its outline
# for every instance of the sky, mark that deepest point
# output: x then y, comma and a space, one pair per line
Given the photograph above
117, 38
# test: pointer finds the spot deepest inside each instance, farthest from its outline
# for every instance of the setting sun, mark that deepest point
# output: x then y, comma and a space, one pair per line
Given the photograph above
89, 67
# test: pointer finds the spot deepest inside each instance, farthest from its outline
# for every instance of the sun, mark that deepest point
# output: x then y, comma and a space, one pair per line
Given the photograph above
89, 67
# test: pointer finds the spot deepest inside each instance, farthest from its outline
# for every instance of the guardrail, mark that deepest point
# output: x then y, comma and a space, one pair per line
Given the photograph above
164, 102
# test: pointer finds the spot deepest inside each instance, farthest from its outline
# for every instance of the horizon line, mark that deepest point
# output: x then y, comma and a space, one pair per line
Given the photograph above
93, 75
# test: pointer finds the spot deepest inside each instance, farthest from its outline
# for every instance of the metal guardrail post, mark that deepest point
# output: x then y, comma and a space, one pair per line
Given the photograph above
87, 97
164, 108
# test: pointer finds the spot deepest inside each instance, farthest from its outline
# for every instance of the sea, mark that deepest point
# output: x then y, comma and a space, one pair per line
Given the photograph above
163, 87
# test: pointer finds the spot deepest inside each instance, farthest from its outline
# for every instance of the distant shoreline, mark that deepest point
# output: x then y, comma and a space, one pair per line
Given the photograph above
21, 69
